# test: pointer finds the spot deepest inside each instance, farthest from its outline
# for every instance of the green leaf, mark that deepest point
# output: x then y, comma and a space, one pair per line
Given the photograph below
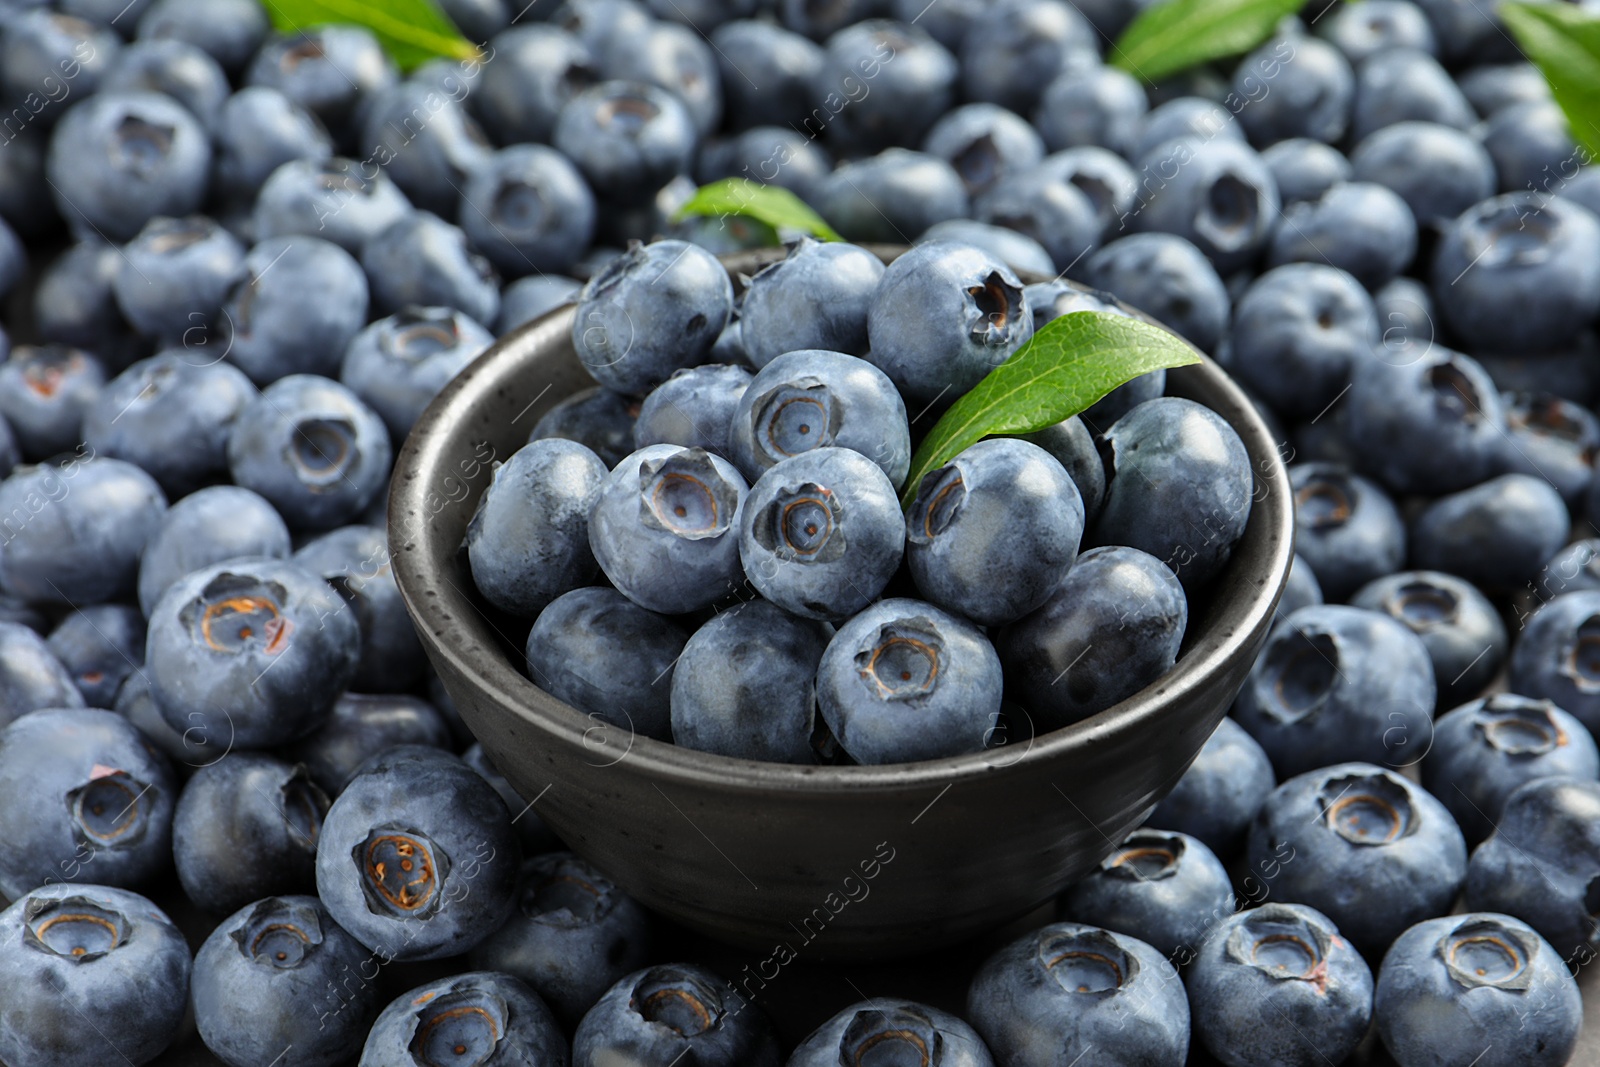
1178, 34
411, 31
1068, 365
1564, 43
771, 204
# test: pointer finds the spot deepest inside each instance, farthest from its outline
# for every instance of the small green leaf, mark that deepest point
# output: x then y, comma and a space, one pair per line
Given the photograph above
1178, 34
1068, 365
771, 204
1564, 43
411, 31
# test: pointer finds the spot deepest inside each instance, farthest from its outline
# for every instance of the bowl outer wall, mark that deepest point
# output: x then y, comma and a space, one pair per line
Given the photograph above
829, 862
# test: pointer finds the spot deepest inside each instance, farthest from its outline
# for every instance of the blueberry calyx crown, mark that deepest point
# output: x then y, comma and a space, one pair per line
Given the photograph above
279, 933
567, 893
1369, 810
73, 928
802, 524
1454, 392
889, 1037
167, 236
1146, 856
939, 500
415, 333
402, 871
1087, 961
795, 418
1581, 663
685, 495
1301, 670
303, 806
141, 146
320, 451
237, 613
1325, 502
1423, 606
1282, 944
458, 1028
995, 311
904, 659
1518, 726
1486, 952
677, 999
107, 810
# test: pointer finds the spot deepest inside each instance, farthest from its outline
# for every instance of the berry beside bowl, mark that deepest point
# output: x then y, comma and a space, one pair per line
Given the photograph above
837, 861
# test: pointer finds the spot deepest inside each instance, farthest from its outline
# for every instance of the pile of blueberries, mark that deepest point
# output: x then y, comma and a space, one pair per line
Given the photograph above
237, 265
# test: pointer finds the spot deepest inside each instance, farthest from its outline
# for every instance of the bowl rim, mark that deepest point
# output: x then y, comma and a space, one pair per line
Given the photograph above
422, 462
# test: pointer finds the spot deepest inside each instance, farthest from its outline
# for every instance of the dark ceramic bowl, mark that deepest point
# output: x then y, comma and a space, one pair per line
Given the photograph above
826, 862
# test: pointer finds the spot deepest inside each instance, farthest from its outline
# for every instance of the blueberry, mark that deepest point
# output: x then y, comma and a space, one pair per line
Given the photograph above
417, 857
156, 161
819, 20
90, 952
609, 658
1557, 656
280, 974
1423, 419
1342, 836
537, 68
1405, 85
1304, 169
74, 304
1519, 272
83, 798
627, 138
314, 450
1016, 250
1497, 535
420, 259
38, 47
1091, 105
246, 827
904, 681
100, 645
45, 391
692, 409
1294, 87
230, 31
1297, 331
181, 70
1360, 227
300, 304
822, 533
528, 542
1197, 117
891, 1027
425, 140
772, 155
1452, 988
1168, 278
170, 415
1217, 194
1575, 567
675, 1011
1072, 445
1019, 47
677, 59
1100, 174
74, 533
31, 674
328, 70
1166, 889
1484, 750
984, 142
597, 418
1542, 862
1361, 30
528, 298
816, 399
334, 198
491, 1017
528, 210
1492, 87
1337, 683
943, 317
1554, 439
176, 274
361, 726
1438, 171
1465, 638
1061, 205
817, 296
1277, 986
890, 197
208, 526
993, 572
251, 652
1067, 991
1347, 529
399, 363
355, 561
1405, 312
744, 686
478, 20
603, 25
1109, 629
1531, 146
788, 64
1221, 791
572, 935
656, 308
1179, 487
